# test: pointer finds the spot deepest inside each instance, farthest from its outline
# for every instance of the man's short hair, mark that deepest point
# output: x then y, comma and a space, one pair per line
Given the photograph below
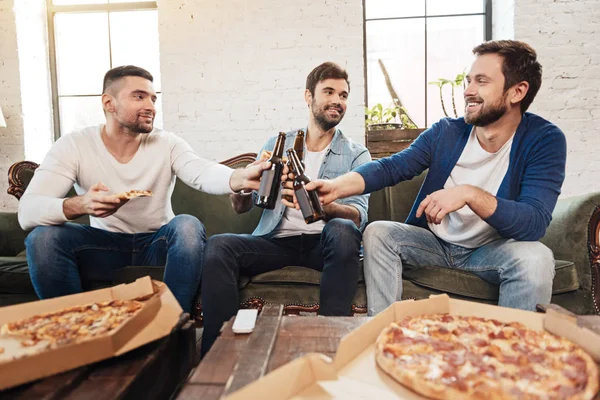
327, 70
123, 71
519, 64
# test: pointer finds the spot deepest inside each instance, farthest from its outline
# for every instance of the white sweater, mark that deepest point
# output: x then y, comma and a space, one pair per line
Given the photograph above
80, 159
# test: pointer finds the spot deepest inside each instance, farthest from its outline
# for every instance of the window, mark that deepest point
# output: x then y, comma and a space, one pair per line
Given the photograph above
421, 41
89, 37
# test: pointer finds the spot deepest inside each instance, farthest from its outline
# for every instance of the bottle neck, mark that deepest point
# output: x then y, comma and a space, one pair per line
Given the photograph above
278, 149
296, 164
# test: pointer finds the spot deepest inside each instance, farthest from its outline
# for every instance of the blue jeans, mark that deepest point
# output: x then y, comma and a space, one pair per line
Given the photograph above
335, 252
524, 270
61, 257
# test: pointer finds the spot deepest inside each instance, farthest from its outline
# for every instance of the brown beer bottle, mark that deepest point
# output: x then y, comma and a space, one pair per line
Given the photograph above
270, 181
299, 148
310, 206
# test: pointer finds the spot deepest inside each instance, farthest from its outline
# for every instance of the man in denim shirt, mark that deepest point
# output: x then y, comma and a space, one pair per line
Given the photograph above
282, 237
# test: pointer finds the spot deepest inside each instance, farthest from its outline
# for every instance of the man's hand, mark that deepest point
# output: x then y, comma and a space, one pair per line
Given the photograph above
287, 189
343, 186
95, 203
249, 178
439, 204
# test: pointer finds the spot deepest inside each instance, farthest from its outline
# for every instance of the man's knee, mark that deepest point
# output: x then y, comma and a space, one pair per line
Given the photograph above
376, 232
534, 262
343, 231
188, 227
44, 239
218, 246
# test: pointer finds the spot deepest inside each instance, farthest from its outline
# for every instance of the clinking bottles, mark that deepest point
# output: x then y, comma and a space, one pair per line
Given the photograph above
299, 148
310, 206
270, 182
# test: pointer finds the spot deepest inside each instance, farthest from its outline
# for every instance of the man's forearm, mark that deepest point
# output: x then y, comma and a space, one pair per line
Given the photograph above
349, 184
336, 210
481, 202
73, 207
241, 203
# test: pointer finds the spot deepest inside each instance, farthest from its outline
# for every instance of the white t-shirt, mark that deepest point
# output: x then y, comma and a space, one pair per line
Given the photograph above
292, 222
80, 159
484, 170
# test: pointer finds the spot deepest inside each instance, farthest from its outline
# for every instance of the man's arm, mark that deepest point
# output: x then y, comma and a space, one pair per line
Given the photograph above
209, 176
442, 202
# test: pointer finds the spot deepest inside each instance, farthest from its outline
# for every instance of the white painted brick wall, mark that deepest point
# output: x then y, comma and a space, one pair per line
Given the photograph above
566, 36
234, 72
11, 138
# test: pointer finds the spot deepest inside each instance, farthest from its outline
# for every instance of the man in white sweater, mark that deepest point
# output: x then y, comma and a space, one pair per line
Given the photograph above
123, 154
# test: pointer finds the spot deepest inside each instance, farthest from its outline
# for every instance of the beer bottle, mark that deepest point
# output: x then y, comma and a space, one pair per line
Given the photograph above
310, 206
299, 148
270, 181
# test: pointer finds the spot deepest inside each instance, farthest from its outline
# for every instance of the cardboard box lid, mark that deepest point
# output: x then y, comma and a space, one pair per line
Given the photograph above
157, 318
353, 372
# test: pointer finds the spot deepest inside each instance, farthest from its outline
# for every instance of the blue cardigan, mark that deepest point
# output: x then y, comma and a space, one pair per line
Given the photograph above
528, 193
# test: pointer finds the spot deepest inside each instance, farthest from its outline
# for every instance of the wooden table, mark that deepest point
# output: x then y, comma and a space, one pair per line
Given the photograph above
153, 371
276, 340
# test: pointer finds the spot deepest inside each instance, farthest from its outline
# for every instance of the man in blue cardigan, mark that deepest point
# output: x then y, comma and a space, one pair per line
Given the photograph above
494, 178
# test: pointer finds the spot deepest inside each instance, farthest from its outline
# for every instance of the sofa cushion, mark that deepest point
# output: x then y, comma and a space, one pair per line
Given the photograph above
294, 275
447, 280
14, 276
130, 274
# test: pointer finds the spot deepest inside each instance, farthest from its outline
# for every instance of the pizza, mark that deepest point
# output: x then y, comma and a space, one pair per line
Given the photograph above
454, 357
73, 324
133, 193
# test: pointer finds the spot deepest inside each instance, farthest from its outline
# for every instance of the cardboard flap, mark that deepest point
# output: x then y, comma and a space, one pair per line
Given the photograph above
566, 326
160, 323
288, 380
141, 288
346, 388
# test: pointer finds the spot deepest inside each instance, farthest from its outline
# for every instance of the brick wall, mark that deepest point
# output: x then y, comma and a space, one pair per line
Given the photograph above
233, 77
566, 35
11, 138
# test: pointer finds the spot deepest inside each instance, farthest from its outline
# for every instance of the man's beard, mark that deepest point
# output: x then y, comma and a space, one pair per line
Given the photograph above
487, 114
323, 120
137, 127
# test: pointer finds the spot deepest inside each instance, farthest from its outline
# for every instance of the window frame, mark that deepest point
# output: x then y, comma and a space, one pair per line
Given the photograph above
51, 11
487, 14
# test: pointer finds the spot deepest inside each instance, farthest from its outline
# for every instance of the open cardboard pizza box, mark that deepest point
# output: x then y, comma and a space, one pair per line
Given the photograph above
353, 373
159, 314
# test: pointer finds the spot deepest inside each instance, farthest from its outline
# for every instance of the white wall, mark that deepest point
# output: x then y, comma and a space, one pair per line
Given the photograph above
234, 72
11, 138
566, 36
233, 77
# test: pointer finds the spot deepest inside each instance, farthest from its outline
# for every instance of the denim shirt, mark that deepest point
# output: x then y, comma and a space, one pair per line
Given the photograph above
342, 156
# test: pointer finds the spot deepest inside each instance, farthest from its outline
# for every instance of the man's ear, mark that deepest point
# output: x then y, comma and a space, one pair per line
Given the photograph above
519, 91
308, 97
108, 103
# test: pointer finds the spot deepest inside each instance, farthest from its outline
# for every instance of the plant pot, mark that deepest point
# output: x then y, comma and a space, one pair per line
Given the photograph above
385, 142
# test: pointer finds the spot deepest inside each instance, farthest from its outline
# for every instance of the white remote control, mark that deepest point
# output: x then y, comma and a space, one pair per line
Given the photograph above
244, 321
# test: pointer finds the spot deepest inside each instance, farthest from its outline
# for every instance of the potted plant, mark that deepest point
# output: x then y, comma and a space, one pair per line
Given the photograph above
458, 81
389, 130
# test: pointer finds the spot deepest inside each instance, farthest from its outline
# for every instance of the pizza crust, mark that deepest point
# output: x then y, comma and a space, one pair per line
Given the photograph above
133, 194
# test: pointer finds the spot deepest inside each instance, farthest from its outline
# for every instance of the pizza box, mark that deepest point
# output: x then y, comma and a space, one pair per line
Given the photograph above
353, 372
159, 314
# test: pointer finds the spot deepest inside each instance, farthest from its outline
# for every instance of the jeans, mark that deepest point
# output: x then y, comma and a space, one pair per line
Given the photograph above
523, 270
335, 252
61, 257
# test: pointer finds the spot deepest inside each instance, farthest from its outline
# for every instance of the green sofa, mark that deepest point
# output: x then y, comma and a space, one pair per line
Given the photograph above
573, 236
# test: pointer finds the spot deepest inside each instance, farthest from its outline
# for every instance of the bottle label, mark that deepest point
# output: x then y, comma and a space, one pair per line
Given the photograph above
266, 181
304, 202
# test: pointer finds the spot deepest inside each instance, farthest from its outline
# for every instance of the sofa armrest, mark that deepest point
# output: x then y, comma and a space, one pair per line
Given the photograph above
12, 237
574, 235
